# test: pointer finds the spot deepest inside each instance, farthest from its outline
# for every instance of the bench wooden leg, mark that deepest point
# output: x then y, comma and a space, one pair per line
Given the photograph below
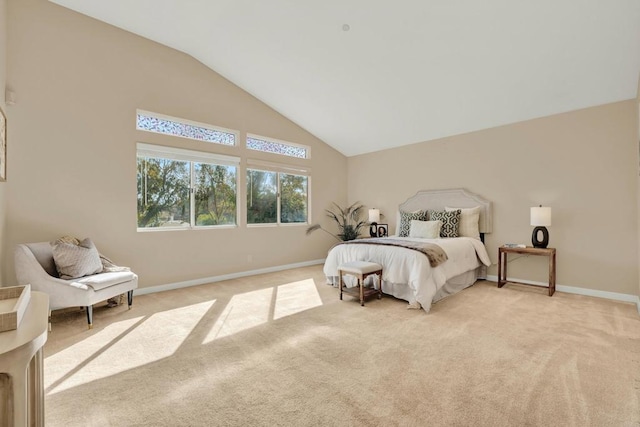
90, 316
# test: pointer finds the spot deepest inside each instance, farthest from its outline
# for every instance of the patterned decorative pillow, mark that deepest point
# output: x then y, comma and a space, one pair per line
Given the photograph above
469, 222
73, 261
450, 222
405, 221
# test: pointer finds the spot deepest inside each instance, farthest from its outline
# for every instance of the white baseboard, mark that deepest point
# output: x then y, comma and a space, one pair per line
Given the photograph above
205, 280
579, 291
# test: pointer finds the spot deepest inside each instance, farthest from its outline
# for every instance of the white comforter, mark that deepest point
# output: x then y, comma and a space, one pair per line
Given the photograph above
406, 266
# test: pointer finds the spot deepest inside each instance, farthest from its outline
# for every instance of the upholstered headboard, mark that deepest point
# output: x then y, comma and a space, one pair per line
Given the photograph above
456, 197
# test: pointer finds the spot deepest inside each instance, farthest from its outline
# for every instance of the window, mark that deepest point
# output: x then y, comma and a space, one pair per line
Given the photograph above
215, 194
268, 145
293, 198
163, 192
277, 197
158, 123
184, 189
262, 197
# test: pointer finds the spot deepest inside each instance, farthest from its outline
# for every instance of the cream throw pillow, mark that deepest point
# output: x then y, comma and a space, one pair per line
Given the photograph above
405, 221
73, 261
469, 221
425, 229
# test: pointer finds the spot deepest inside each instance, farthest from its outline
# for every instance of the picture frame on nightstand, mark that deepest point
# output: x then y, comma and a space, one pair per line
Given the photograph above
382, 230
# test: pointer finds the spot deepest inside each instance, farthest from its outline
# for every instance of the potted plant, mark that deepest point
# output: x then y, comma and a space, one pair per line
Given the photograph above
347, 219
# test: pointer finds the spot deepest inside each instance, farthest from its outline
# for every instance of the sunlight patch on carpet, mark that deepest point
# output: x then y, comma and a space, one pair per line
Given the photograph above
114, 350
251, 309
243, 311
295, 297
63, 363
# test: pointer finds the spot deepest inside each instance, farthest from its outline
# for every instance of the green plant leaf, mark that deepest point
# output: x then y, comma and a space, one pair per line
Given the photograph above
347, 219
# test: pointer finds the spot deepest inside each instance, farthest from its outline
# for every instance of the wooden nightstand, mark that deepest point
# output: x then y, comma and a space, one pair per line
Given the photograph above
529, 250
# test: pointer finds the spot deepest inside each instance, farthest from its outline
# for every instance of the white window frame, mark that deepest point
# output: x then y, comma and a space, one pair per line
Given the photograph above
190, 123
263, 166
278, 141
172, 153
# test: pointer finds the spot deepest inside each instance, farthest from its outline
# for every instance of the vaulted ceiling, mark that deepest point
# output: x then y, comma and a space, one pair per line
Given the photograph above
367, 75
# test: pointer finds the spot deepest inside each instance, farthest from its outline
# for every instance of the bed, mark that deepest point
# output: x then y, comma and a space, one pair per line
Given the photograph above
408, 273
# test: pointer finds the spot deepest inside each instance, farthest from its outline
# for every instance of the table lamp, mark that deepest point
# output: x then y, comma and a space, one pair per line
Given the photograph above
540, 219
374, 218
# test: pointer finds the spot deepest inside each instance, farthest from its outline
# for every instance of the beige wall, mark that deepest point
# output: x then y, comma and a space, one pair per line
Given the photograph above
3, 80
73, 157
583, 164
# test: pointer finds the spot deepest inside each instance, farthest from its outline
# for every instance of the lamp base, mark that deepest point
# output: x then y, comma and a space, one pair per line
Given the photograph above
373, 229
545, 237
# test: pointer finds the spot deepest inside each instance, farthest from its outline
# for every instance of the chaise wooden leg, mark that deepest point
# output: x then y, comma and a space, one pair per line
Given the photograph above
130, 298
90, 316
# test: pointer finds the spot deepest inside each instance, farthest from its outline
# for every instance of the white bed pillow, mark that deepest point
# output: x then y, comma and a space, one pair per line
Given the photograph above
469, 221
425, 229
405, 221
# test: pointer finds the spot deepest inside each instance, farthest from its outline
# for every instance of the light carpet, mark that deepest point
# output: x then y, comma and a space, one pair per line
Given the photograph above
282, 350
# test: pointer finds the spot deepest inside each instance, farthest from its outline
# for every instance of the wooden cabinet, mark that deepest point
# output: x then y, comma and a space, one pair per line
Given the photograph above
21, 366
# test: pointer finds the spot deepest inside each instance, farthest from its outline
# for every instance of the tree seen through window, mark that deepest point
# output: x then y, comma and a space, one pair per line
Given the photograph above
165, 191
262, 197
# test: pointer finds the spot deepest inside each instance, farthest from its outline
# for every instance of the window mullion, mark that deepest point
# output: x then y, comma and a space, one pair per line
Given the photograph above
145, 171
278, 199
192, 195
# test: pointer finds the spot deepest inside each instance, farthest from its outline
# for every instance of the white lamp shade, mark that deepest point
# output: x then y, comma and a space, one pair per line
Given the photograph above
541, 216
374, 215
